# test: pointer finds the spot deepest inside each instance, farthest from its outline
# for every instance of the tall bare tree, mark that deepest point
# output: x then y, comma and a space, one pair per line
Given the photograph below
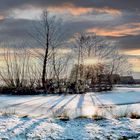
48, 34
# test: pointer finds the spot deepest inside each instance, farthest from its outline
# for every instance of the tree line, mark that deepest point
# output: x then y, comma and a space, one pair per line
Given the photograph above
84, 62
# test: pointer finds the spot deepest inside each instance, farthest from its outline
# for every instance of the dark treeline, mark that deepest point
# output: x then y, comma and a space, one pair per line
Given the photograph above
84, 62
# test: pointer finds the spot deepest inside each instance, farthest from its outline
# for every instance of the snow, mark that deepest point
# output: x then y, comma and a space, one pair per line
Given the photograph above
87, 104
42, 123
15, 128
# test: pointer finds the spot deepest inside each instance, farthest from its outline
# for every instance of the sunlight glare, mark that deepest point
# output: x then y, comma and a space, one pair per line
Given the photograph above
91, 61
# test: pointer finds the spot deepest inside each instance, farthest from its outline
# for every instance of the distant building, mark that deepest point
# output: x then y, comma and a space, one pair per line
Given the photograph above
127, 80
117, 79
137, 81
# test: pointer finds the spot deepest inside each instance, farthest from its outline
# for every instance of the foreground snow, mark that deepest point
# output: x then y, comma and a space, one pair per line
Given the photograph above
43, 110
120, 100
14, 128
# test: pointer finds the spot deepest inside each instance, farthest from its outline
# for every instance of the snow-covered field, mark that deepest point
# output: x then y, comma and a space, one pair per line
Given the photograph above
14, 128
121, 99
41, 122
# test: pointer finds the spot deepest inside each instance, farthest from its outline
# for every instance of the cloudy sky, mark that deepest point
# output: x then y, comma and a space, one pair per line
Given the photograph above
118, 20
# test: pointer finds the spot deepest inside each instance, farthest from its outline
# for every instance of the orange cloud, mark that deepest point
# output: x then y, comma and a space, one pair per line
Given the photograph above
70, 8
132, 52
107, 10
122, 30
1, 17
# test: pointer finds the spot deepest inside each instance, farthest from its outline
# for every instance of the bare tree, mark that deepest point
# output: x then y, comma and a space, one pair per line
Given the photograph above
60, 63
48, 34
97, 58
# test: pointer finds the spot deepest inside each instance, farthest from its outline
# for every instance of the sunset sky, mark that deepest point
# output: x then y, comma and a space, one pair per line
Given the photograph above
117, 20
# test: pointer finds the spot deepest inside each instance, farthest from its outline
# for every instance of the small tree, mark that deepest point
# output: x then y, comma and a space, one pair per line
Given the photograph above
60, 64
16, 70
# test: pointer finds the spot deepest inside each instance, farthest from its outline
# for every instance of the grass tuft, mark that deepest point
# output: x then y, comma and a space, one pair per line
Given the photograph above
134, 115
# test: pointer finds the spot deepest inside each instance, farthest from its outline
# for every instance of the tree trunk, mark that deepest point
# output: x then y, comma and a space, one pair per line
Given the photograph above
45, 63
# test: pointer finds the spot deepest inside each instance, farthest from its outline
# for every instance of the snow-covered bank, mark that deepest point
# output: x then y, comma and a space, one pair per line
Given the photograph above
14, 128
